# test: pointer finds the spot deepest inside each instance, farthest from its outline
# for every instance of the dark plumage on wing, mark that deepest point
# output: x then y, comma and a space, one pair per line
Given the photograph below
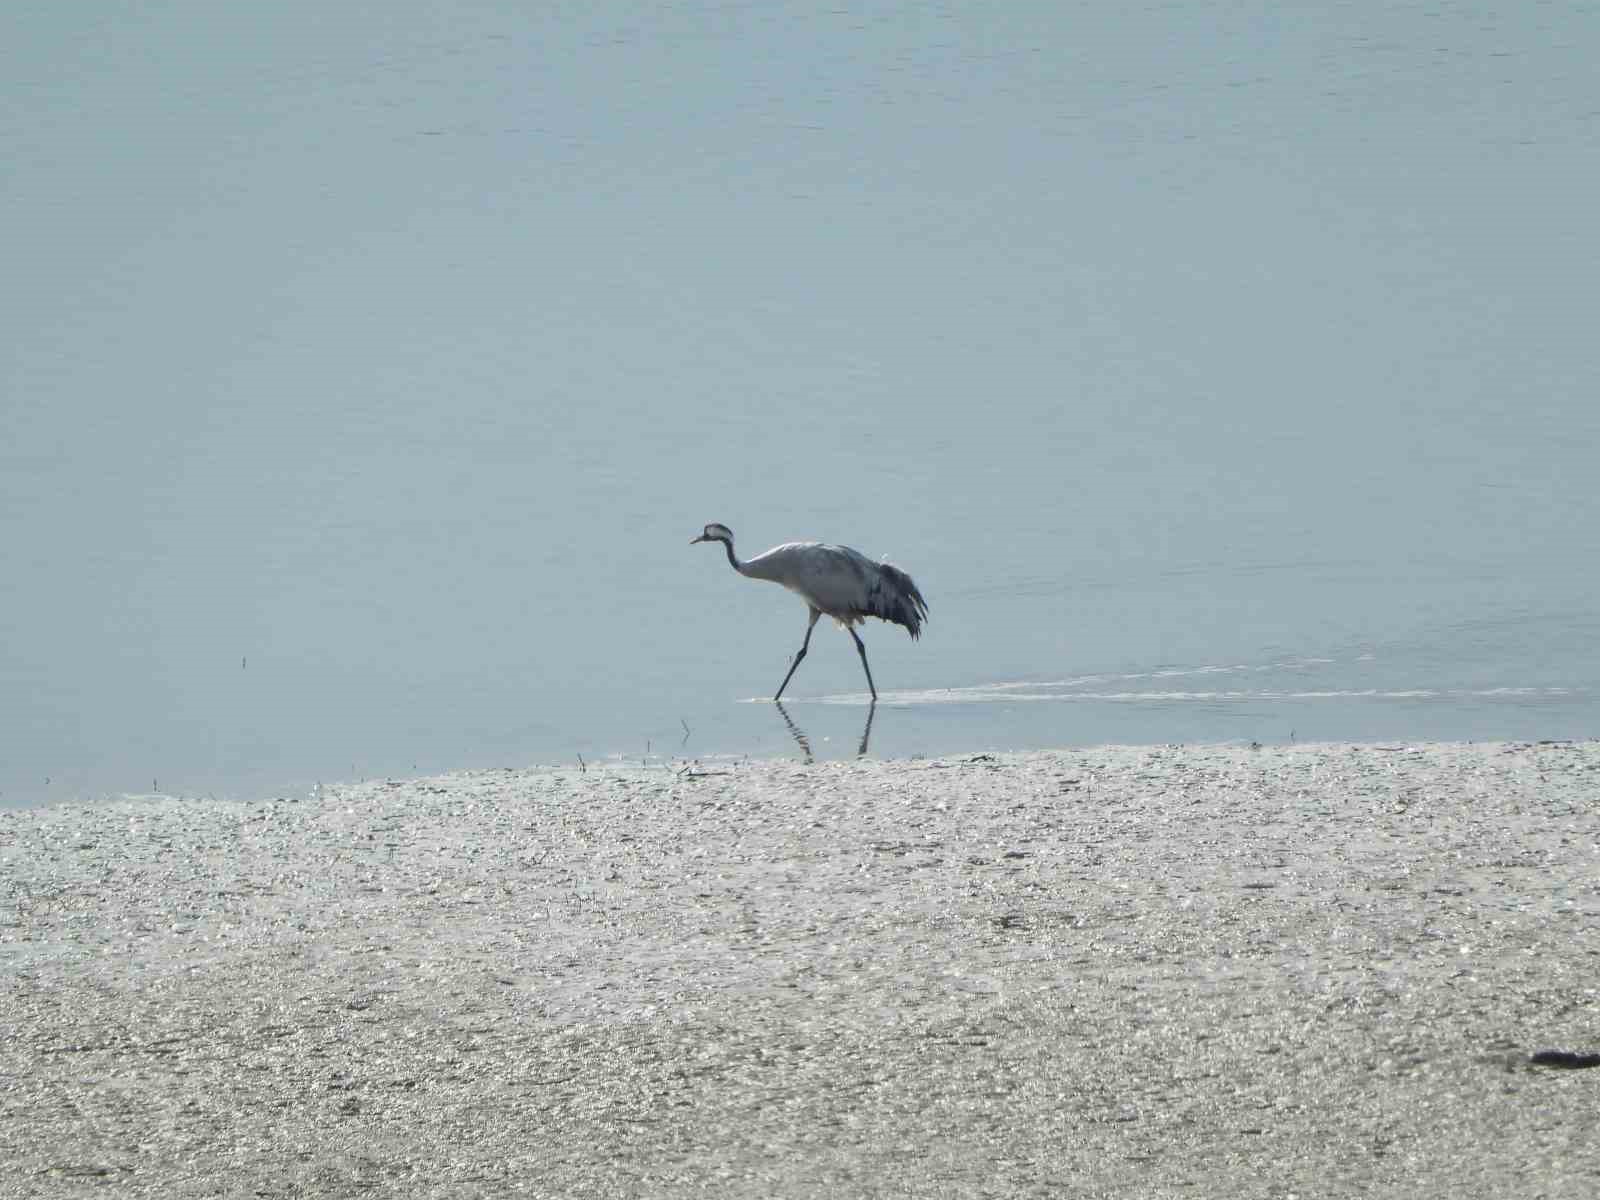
894, 597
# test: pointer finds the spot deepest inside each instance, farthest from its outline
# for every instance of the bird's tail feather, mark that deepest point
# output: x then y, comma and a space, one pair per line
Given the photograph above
894, 597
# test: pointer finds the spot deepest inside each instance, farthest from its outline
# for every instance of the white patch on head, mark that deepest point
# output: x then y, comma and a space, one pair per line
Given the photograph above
714, 530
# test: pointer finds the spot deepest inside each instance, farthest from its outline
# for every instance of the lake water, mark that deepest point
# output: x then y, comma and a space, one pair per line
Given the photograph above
1219, 372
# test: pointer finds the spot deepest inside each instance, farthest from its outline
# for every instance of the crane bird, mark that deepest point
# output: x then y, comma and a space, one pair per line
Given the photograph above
833, 580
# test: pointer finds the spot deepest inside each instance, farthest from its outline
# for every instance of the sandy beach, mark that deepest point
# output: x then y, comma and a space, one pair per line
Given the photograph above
1317, 970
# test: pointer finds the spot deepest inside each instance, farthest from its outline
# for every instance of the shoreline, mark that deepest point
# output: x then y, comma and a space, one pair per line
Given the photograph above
1196, 970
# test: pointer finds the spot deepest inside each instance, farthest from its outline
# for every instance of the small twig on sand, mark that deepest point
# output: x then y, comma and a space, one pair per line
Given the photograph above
688, 772
1565, 1059
583, 766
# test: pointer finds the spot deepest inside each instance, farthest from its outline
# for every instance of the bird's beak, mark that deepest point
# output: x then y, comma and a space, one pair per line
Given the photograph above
701, 538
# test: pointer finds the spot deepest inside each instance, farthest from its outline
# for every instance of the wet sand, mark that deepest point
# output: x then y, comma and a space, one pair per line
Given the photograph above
1318, 970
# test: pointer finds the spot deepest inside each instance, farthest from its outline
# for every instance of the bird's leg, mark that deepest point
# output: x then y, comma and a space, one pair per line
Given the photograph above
815, 613
862, 650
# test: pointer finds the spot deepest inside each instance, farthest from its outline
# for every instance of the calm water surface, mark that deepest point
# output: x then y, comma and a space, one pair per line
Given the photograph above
1218, 375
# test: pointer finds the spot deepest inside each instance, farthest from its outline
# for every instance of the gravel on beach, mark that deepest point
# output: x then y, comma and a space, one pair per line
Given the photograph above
1314, 970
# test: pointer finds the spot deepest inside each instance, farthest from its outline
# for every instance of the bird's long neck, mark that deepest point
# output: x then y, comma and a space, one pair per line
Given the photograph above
727, 544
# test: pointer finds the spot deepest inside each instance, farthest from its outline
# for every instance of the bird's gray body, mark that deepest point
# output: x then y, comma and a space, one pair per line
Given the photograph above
842, 583
834, 581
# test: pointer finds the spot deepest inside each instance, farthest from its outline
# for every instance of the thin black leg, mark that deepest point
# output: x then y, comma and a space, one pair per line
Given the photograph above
798, 657
862, 650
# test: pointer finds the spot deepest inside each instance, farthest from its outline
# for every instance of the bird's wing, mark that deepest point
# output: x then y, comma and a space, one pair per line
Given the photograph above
843, 582
834, 579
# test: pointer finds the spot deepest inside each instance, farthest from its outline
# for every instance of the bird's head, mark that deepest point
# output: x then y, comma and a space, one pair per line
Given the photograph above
715, 533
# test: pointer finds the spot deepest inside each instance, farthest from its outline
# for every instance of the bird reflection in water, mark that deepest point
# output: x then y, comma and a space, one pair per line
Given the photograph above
804, 742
